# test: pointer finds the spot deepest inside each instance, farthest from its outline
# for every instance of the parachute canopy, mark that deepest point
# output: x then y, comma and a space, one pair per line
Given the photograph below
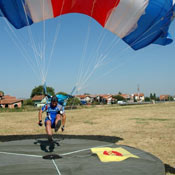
138, 22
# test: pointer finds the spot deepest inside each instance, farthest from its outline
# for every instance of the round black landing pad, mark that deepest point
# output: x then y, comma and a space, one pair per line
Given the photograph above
75, 157
52, 156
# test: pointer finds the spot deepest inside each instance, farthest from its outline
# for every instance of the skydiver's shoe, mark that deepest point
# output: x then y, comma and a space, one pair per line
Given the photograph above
57, 126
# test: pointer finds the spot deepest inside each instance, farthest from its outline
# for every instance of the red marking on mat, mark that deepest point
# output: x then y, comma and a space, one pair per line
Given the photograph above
112, 153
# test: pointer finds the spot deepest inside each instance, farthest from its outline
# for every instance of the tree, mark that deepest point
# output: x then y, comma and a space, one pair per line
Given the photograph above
119, 98
157, 99
73, 102
40, 91
153, 96
171, 98
147, 99
63, 93
119, 93
28, 102
1, 92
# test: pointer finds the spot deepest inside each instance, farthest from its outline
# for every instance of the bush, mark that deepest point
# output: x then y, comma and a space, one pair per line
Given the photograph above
119, 98
95, 103
73, 102
28, 102
147, 99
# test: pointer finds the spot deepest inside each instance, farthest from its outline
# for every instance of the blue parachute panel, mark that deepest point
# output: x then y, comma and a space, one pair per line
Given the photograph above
15, 13
1, 14
153, 25
62, 99
164, 40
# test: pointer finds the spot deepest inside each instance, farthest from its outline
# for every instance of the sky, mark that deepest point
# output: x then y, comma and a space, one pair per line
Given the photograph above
83, 54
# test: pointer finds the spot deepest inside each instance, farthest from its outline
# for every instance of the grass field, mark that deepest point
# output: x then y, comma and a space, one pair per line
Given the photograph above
147, 127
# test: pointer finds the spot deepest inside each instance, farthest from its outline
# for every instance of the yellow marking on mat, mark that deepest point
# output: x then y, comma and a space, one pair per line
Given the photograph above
107, 154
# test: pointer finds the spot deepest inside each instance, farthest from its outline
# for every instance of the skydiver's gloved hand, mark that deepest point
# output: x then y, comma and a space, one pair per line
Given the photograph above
61, 112
62, 128
40, 123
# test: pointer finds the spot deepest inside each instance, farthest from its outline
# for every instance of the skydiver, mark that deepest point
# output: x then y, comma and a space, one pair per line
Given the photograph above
55, 117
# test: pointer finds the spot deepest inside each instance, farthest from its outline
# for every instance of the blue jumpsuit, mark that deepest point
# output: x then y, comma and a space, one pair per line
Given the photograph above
52, 113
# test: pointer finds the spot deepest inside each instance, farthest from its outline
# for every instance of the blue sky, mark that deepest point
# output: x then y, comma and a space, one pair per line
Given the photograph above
80, 42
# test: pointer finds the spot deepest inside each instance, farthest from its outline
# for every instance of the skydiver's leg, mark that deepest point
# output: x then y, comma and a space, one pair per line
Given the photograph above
49, 130
57, 122
63, 119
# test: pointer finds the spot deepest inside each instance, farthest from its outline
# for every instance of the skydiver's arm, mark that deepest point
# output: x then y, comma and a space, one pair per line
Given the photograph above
40, 115
40, 118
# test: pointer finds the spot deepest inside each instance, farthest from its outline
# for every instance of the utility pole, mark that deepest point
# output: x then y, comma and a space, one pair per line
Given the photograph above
138, 91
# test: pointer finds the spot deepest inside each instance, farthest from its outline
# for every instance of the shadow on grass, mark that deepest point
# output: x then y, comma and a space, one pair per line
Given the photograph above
169, 169
111, 139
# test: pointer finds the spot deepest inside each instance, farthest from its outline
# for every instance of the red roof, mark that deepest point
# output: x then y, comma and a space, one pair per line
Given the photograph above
82, 96
38, 97
164, 97
125, 96
105, 96
140, 94
10, 101
7, 99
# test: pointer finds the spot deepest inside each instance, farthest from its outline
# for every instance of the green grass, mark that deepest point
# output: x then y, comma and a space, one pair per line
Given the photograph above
25, 108
150, 119
88, 122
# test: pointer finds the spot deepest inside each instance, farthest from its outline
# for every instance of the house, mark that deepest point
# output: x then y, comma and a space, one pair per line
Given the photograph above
138, 97
7, 101
89, 99
164, 97
106, 99
127, 97
174, 98
84, 99
39, 100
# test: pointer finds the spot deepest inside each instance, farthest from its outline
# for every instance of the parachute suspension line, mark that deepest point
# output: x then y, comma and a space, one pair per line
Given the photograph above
132, 44
83, 56
98, 59
118, 66
97, 56
30, 34
80, 74
140, 39
99, 62
101, 58
19, 44
124, 62
43, 47
112, 45
108, 50
100, 41
33, 44
55, 38
21, 50
88, 74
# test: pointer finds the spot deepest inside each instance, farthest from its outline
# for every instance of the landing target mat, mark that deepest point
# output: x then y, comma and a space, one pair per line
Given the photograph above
75, 156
